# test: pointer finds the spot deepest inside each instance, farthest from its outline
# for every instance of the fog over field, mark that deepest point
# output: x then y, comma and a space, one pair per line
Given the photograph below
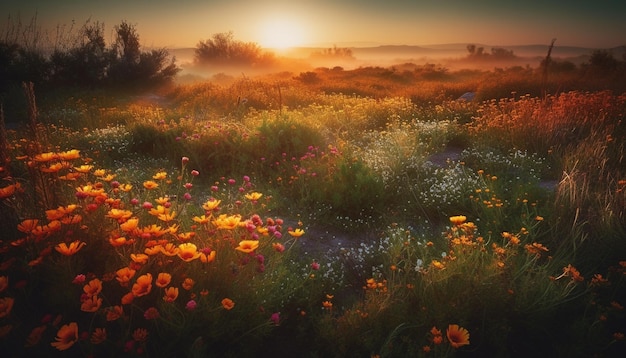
451, 56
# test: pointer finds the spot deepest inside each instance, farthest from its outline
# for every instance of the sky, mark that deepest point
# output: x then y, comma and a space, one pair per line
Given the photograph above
345, 23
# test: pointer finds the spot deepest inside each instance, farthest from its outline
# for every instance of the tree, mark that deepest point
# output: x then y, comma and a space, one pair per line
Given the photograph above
223, 50
130, 65
84, 64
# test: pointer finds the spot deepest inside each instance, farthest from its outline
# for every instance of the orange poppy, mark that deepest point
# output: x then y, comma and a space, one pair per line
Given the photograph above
247, 246
124, 275
91, 304
188, 252
163, 279
66, 336
457, 336
114, 312
143, 285
69, 155
93, 288
171, 293
74, 247
6, 305
228, 304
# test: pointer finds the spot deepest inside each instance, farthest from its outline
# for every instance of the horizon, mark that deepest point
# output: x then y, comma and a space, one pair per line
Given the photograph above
281, 24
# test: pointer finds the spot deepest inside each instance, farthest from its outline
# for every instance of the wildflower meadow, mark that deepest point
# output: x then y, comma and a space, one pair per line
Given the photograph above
274, 217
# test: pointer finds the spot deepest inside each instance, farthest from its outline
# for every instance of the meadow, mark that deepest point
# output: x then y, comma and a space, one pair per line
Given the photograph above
326, 213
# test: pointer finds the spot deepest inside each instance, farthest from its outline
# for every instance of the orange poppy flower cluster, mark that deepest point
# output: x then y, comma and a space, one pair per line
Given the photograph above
147, 236
456, 336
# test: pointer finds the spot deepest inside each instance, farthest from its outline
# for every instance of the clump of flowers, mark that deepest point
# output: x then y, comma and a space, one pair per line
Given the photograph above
169, 267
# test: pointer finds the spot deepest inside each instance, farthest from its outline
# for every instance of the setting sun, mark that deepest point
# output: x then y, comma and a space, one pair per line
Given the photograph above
281, 33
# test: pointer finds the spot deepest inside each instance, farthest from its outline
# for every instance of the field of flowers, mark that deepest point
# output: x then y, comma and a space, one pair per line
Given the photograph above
271, 218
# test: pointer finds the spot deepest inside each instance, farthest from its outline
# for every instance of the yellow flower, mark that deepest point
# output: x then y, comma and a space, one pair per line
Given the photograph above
458, 220
45, 157
186, 236
159, 176
163, 279
171, 293
211, 204
253, 196
84, 168
162, 200
91, 304
6, 305
167, 217
296, 232
149, 184
160, 209
143, 285
120, 241
69, 155
438, 265
188, 252
120, 215
126, 187
247, 246
74, 247
169, 249
66, 336
153, 230
535, 248
227, 222
201, 219
139, 258
130, 225
457, 336
228, 304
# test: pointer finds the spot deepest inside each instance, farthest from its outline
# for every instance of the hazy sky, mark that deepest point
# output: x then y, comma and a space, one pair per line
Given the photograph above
182, 23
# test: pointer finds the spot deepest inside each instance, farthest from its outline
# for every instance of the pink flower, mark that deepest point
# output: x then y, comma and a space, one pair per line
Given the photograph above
147, 205
79, 279
185, 160
151, 313
195, 173
275, 317
315, 265
191, 305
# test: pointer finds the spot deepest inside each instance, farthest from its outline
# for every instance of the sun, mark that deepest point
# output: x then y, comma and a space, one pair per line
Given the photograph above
281, 33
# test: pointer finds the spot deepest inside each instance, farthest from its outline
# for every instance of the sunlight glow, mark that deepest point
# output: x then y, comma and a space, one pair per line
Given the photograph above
281, 33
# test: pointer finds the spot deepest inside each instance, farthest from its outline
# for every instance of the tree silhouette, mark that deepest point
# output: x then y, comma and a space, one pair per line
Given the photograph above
223, 50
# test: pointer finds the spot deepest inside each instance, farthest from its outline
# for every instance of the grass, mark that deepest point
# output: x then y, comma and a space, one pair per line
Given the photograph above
133, 227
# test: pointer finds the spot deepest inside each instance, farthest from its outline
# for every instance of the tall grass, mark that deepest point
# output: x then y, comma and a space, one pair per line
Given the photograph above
479, 240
